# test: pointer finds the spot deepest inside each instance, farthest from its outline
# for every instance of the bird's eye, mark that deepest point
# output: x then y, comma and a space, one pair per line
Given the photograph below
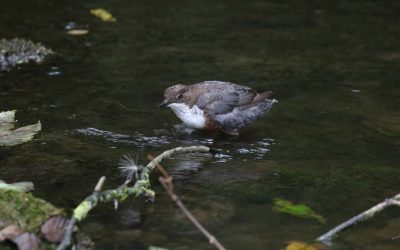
179, 96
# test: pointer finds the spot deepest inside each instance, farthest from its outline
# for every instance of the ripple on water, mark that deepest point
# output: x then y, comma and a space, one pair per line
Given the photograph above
222, 157
229, 150
138, 139
183, 135
246, 151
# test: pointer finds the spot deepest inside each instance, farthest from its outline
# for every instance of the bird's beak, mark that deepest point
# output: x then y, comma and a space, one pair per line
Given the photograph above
164, 104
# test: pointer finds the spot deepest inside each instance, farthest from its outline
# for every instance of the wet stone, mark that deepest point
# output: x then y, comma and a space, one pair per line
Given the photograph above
19, 51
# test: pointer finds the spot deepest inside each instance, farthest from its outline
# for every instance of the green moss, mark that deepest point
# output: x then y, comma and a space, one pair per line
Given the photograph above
25, 210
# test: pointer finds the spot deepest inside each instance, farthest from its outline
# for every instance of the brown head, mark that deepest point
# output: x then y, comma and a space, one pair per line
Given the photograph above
175, 94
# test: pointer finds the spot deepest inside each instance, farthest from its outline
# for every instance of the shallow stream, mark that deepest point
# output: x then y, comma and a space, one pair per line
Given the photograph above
331, 142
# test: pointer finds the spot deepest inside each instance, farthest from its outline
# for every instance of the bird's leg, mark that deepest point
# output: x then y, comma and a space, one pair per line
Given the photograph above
230, 131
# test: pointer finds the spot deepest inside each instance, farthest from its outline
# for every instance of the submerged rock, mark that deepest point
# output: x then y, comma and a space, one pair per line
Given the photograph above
18, 51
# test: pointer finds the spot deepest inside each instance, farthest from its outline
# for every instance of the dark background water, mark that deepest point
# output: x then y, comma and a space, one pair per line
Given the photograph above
332, 141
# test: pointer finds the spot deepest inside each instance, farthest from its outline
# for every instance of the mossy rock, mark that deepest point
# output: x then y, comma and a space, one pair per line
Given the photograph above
25, 210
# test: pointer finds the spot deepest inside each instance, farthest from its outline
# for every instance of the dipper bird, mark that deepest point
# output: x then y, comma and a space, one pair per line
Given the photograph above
217, 105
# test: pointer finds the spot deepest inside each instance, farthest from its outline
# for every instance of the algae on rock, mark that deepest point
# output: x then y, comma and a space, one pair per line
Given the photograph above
25, 210
18, 51
22, 220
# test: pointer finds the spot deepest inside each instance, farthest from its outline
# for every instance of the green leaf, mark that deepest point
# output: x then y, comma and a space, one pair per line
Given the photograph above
20, 135
157, 248
298, 210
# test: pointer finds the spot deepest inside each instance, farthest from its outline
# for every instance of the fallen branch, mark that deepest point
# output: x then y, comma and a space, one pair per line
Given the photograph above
141, 187
166, 182
194, 149
67, 240
326, 238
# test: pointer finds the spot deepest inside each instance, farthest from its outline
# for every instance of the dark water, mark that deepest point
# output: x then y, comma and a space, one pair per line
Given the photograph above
332, 142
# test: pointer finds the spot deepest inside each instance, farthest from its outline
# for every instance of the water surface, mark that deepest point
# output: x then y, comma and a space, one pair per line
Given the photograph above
332, 141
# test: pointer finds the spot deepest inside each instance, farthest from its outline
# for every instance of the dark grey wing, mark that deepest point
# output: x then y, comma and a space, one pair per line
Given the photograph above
246, 95
215, 103
222, 97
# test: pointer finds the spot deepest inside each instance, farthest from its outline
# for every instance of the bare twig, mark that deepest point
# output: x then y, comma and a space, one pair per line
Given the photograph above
140, 187
326, 238
166, 182
100, 184
198, 149
67, 240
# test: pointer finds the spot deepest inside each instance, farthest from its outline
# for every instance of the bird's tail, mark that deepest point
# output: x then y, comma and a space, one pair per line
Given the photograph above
242, 117
258, 99
264, 95
250, 115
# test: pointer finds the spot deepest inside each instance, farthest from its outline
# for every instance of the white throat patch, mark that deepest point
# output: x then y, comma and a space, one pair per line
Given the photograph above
193, 117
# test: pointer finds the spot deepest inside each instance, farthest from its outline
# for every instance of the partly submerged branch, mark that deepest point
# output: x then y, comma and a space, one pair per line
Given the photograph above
166, 182
83, 209
141, 187
166, 154
326, 238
